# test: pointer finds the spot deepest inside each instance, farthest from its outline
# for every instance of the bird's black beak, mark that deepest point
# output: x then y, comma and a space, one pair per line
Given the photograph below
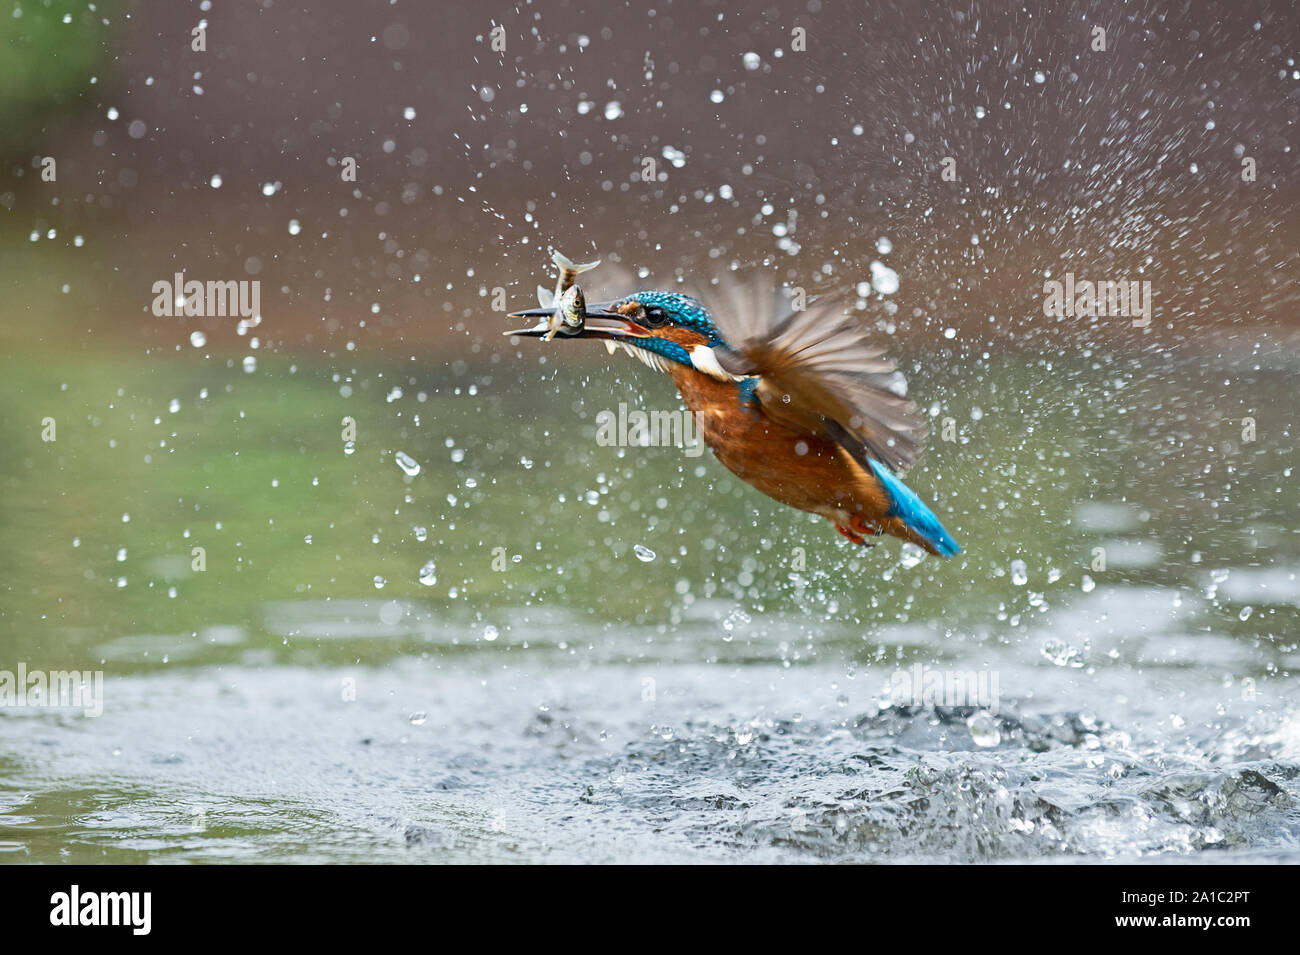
600, 320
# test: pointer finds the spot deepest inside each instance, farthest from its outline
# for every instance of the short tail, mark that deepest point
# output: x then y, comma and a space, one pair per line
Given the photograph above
912, 512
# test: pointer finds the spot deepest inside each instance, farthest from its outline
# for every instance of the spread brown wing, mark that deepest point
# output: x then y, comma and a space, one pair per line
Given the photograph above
818, 372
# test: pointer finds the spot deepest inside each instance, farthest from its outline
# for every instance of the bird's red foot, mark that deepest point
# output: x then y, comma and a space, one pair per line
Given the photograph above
858, 530
856, 538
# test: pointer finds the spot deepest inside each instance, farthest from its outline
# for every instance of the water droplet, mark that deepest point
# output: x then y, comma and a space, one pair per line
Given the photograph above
407, 463
490, 633
1040, 76
884, 246
250, 363
429, 574
1019, 573
422, 533
643, 553
174, 406
674, 156
1060, 653
391, 613
198, 339
1245, 613
408, 113
1088, 585
215, 182
910, 556
613, 109
294, 226
419, 719
751, 61
732, 620
883, 279
527, 462
716, 96
349, 447
984, 729
379, 582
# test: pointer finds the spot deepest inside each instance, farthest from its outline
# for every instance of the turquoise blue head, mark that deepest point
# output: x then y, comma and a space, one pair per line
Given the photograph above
658, 309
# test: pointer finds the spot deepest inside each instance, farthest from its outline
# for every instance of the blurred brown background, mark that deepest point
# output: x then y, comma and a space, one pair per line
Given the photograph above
1117, 164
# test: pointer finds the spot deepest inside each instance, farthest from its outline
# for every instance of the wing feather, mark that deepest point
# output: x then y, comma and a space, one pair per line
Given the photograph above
818, 371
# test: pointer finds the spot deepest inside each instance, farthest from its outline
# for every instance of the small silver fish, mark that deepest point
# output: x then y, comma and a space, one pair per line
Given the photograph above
568, 317
570, 313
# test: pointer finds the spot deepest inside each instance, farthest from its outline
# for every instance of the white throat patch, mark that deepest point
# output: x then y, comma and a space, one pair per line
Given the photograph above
655, 361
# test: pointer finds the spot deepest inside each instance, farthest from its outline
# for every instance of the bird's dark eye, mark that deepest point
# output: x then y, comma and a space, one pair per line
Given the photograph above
655, 315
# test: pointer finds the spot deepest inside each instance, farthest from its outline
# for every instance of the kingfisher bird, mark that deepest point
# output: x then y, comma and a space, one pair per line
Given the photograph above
796, 402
